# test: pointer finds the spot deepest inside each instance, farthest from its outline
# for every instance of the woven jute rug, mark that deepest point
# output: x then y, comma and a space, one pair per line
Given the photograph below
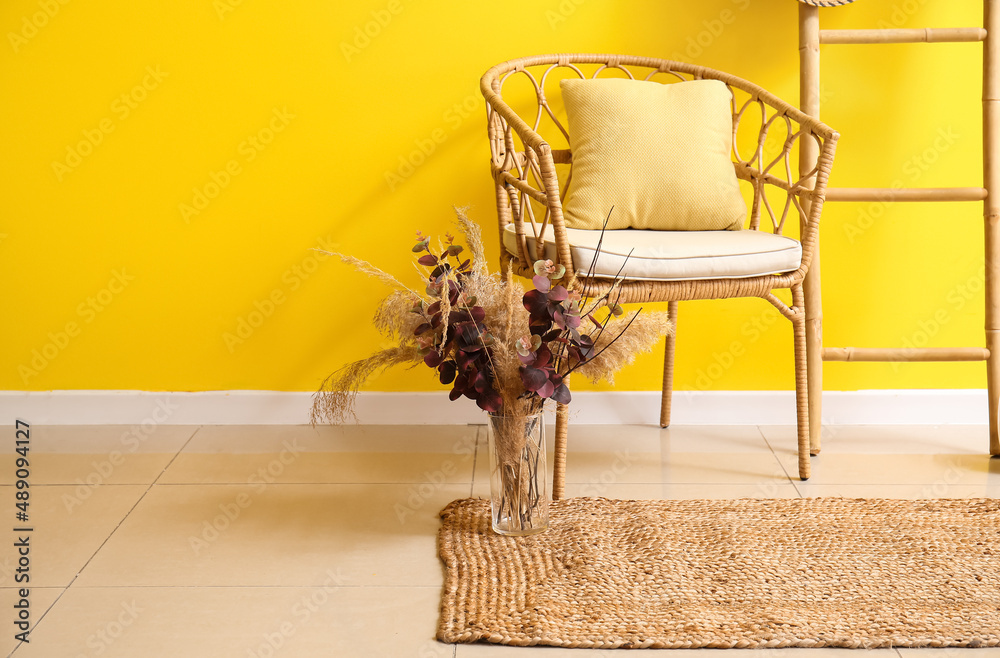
744, 573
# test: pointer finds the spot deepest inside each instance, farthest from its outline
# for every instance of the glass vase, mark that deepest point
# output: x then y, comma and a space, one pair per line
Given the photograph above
518, 494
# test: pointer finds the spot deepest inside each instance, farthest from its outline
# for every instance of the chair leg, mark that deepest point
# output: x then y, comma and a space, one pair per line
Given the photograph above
668, 368
814, 352
801, 382
559, 458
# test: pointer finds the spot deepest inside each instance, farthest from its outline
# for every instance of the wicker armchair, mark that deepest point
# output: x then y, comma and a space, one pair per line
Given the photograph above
530, 191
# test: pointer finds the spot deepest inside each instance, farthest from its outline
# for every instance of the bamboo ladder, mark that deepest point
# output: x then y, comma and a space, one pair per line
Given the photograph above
810, 38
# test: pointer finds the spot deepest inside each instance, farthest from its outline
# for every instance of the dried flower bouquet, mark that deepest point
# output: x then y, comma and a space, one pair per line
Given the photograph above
506, 349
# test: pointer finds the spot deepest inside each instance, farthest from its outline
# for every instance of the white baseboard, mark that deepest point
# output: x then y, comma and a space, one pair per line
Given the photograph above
891, 407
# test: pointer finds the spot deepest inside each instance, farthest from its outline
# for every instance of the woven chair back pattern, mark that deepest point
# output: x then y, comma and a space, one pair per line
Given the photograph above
532, 161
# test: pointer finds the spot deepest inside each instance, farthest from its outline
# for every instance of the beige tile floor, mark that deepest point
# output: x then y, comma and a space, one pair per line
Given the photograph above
293, 541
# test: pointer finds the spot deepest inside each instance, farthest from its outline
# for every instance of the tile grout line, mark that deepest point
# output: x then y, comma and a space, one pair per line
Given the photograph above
791, 480
131, 509
113, 531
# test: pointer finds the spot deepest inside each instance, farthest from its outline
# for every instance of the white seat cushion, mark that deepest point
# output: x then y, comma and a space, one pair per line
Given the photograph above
674, 255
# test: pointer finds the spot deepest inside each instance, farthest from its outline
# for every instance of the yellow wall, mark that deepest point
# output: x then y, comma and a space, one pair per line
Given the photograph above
95, 243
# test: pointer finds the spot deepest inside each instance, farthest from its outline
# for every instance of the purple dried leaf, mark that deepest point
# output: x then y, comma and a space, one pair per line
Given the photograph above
481, 384
543, 357
535, 301
561, 394
448, 370
546, 390
490, 401
533, 378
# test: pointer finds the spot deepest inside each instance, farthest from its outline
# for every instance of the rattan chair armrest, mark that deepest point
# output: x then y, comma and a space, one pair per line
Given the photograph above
817, 196
549, 196
818, 138
530, 138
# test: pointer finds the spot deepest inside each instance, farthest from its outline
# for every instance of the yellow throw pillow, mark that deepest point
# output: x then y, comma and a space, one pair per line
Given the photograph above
659, 153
